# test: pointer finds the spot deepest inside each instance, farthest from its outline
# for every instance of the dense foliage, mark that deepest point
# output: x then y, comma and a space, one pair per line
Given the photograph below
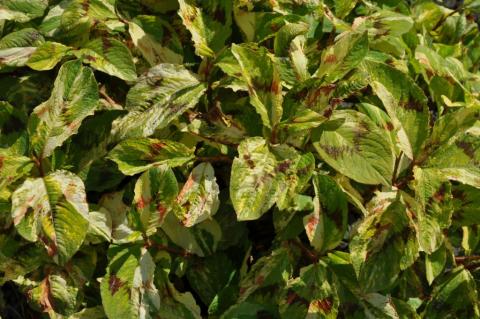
239, 159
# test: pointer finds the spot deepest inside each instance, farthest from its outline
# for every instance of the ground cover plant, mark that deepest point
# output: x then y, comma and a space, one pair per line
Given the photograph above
239, 159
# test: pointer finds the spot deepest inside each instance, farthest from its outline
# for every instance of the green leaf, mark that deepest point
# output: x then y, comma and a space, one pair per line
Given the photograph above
253, 182
404, 102
198, 198
380, 243
200, 272
110, 56
453, 124
326, 225
435, 263
17, 47
27, 37
47, 56
13, 167
208, 22
343, 7
134, 156
22, 10
155, 192
267, 271
149, 36
347, 53
310, 294
354, 146
201, 239
56, 296
128, 289
153, 106
74, 97
54, 210
458, 160
173, 304
263, 81
455, 295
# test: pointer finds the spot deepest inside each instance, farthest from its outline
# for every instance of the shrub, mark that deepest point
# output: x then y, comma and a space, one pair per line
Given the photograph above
239, 159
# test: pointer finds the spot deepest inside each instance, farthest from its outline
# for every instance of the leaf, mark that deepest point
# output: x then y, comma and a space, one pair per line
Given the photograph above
453, 124
174, 304
310, 294
458, 160
455, 295
17, 47
149, 36
209, 24
47, 56
154, 106
200, 272
128, 289
347, 53
354, 146
55, 295
268, 270
155, 193
263, 81
326, 225
74, 97
110, 56
198, 198
435, 263
54, 210
22, 10
27, 37
201, 239
380, 242
253, 182
404, 102
343, 8
433, 194
134, 156
13, 167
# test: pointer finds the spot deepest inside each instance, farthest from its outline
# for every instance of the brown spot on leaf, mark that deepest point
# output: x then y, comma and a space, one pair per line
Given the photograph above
249, 161
389, 126
276, 87
335, 101
327, 89
162, 210
2, 158
106, 44
85, 4
49, 245
114, 284
91, 58
330, 58
324, 304
380, 228
334, 151
46, 301
293, 297
259, 280
141, 203
186, 187
283, 166
467, 148
328, 112
413, 105
157, 147
275, 27
439, 195
311, 224
219, 15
